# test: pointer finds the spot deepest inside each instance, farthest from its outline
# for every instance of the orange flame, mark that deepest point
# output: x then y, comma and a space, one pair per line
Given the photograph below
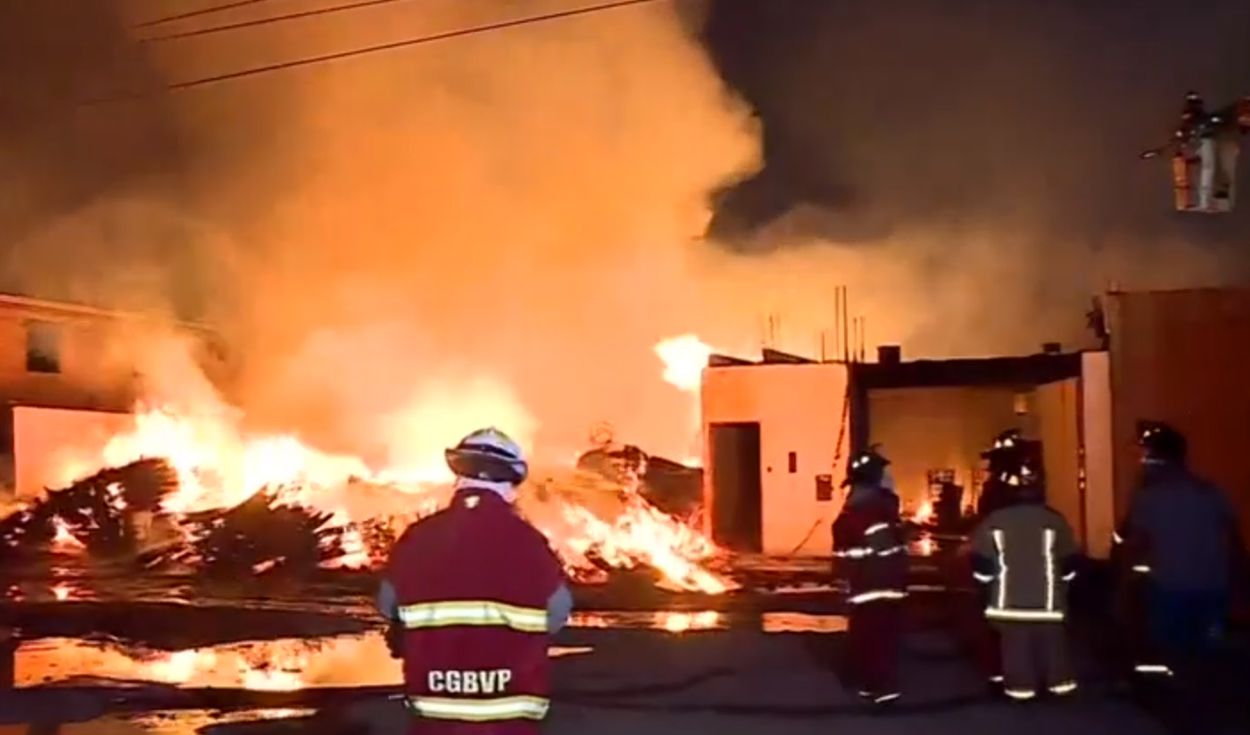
924, 513
63, 538
684, 359
219, 466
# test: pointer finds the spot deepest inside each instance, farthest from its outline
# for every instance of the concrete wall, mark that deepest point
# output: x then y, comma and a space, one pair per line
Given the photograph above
90, 376
921, 429
54, 446
1183, 357
92, 351
1099, 488
800, 409
1058, 427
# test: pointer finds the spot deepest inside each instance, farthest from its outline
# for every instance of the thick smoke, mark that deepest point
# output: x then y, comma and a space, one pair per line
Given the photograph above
970, 168
92, 200
495, 229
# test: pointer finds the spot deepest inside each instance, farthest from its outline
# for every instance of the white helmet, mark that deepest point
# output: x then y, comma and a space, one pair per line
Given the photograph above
490, 455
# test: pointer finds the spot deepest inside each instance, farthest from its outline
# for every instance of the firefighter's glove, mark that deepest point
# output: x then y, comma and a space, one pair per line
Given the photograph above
395, 639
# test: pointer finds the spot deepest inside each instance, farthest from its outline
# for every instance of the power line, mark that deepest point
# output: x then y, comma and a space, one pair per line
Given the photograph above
197, 13
418, 41
269, 19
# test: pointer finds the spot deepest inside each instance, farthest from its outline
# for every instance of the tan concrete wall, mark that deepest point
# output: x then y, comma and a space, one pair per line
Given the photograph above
1184, 357
90, 375
1098, 447
800, 409
52, 447
921, 429
1057, 407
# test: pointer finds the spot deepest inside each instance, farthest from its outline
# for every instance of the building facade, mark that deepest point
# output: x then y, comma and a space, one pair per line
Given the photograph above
773, 428
73, 358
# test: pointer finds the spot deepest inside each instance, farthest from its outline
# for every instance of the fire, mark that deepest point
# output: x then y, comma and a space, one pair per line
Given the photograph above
924, 513
219, 466
640, 534
63, 538
684, 359
682, 622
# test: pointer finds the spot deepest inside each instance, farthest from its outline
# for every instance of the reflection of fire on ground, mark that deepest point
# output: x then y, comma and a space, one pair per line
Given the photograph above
277, 665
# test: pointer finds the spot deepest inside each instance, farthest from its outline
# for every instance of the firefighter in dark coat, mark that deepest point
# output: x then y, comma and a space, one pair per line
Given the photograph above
474, 594
1179, 543
870, 552
1026, 554
1003, 460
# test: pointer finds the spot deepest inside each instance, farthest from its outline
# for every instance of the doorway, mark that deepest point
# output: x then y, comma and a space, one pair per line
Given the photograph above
737, 490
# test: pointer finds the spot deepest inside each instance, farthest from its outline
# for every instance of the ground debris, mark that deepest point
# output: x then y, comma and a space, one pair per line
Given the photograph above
103, 514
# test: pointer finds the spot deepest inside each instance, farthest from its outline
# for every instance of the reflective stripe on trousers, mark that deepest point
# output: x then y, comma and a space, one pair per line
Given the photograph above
473, 612
886, 594
520, 707
1041, 616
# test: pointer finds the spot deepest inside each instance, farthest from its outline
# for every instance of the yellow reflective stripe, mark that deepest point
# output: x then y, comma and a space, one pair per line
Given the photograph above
876, 528
1020, 694
1066, 687
999, 544
999, 613
473, 612
1048, 551
877, 595
1141, 568
520, 707
858, 552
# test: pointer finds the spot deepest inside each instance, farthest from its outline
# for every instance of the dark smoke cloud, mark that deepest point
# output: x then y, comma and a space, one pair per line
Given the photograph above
93, 200
976, 139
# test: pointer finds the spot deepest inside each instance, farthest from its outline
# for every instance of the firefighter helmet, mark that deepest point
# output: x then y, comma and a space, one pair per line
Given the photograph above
488, 454
1005, 443
1161, 442
866, 468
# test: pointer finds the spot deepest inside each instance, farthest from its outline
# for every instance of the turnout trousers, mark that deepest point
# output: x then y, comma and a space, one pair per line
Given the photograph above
874, 636
1035, 657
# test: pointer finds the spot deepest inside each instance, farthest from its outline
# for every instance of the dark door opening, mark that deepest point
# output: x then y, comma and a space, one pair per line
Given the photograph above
737, 489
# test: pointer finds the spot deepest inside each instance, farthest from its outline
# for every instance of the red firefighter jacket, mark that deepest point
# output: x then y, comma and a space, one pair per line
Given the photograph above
869, 548
472, 584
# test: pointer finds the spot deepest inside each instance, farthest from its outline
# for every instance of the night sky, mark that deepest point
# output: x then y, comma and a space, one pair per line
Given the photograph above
920, 111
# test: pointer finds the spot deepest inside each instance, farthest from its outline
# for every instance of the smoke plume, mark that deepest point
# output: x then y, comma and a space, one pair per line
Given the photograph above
497, 229
971, 168
408, 245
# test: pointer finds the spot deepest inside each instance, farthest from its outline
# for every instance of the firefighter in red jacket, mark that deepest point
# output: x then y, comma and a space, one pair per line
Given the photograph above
869, 551
474, 594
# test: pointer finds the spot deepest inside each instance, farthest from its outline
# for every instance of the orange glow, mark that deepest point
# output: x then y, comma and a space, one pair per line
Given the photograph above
684, 359
61, 592
680, 622
924, 513
63, 539
219, 465
277, 665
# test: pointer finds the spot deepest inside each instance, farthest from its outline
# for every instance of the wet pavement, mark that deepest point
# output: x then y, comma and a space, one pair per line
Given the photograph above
180, 655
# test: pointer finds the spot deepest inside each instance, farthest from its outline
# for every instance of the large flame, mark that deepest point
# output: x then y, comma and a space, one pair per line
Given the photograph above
219, 464
684, 359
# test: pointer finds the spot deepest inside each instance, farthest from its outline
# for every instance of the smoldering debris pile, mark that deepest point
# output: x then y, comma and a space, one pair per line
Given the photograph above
116, 515
101, 514
117, 519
